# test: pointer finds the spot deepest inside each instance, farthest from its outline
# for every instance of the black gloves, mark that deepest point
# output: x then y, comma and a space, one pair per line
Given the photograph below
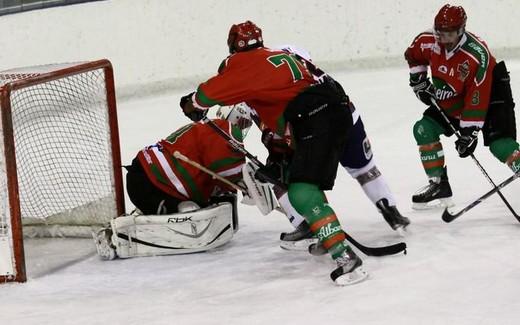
197, 114
422, 87
185, 99
270, 173
277, 147
191, 112
278, 160
467, 142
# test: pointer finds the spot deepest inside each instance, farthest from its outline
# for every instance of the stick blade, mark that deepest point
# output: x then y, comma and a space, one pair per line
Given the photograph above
447, 216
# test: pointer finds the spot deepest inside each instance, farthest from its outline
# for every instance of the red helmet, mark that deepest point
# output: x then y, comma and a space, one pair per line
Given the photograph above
244, 36
451, 18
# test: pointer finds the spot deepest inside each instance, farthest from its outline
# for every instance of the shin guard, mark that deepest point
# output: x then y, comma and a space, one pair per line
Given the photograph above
309, 201
432, 158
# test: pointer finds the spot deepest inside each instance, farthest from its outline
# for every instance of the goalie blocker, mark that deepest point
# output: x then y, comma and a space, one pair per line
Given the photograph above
180, 233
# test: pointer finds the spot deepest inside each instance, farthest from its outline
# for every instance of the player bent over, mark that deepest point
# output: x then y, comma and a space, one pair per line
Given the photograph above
284, 93
472, 90
356, 158
185, 210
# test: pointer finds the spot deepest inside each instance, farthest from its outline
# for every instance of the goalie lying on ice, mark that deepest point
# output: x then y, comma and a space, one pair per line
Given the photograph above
184, 209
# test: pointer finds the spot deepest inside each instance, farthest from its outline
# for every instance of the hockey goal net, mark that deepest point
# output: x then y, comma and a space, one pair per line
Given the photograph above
60, 166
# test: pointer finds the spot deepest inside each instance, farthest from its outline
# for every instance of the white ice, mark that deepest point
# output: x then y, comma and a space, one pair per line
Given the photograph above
466, 272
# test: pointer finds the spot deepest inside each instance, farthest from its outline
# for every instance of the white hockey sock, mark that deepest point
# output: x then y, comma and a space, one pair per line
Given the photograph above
290, 212
372, 182
377, 189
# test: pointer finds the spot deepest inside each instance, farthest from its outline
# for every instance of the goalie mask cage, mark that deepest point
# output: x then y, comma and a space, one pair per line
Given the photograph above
60, 165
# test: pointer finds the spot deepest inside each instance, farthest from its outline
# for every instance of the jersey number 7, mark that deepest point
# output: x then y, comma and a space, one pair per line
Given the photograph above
280, 59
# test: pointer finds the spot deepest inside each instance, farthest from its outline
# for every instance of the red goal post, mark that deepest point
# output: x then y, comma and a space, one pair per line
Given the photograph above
60, 163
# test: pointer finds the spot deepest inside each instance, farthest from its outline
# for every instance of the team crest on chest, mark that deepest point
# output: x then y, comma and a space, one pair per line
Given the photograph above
463, 70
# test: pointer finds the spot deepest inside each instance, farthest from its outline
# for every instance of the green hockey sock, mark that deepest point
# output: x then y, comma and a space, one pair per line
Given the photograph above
507, 151
432, 158
310, 202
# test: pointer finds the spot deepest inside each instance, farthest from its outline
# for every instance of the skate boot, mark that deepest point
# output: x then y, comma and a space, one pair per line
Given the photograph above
317, 249
299, 239
392, 215
350, 270
103, 240
436, 194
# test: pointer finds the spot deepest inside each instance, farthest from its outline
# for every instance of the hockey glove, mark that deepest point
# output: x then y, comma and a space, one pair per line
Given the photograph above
196, 115
185, 99
191, 112
422, 87
269, 173
277, 147
467, 142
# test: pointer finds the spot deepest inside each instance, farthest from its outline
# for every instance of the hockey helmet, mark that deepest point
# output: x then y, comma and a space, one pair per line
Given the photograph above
238, 115
244, 36
450, 23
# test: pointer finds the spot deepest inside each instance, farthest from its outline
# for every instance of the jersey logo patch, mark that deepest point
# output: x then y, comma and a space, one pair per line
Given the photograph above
443, 69
463, 70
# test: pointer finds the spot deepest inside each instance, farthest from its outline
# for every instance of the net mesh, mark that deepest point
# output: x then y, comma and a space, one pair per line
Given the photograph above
63, 155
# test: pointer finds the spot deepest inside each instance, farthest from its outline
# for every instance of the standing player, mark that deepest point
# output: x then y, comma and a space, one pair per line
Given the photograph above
283, 92
472, 90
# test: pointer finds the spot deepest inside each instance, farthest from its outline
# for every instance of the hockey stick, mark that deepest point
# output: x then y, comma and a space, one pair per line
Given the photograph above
448, 217
377, 251
263, 198
370, 251
495, 188
195, 164
240, 148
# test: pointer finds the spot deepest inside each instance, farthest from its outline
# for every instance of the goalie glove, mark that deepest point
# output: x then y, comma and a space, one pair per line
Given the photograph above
422, 88
261, 192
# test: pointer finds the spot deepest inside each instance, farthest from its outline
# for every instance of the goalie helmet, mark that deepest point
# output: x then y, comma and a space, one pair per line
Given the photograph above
244, 36
450, 23
238, 115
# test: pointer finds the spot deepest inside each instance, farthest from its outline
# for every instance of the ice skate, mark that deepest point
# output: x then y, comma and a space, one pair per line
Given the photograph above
350, 270
299, 239
437, 194
317, 249
103, 240
392, 216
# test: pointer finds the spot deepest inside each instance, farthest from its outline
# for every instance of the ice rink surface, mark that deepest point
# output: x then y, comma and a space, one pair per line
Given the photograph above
466, 272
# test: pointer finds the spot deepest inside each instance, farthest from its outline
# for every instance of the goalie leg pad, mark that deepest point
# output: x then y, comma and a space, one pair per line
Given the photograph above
180, 233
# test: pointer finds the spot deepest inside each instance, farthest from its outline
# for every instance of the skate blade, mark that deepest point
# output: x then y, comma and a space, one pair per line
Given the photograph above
298, 245
317, 250
356, 276
435, 204
402, 231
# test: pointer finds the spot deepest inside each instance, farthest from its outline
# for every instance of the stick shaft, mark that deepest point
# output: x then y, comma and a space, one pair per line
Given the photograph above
195, 164
482, 170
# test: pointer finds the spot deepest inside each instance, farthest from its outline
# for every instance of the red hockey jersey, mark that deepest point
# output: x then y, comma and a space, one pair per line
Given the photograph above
462, 77
200, 143
263, 78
